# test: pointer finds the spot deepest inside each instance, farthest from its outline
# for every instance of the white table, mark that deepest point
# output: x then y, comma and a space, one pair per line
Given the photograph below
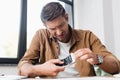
16, 77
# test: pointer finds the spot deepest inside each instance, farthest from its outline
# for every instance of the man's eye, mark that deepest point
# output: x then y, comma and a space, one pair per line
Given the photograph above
52, 29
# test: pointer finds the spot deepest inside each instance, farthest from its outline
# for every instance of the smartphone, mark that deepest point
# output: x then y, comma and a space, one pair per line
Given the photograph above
68, 60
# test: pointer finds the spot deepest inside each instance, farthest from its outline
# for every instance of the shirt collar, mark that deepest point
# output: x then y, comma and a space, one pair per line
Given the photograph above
74, 35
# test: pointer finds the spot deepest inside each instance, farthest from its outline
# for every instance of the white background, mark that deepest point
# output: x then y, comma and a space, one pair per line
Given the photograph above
103, 18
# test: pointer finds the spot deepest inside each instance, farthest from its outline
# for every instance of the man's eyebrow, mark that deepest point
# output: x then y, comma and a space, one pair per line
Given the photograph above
57, 25
60, 24
51, 28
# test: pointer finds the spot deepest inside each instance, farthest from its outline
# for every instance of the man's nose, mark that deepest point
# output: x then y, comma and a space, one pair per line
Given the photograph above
59, 31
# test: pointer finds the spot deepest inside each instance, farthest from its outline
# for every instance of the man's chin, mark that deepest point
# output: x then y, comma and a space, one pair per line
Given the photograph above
61, 40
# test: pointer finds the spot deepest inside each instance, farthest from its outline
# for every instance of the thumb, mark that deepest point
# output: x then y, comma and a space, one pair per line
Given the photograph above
57, 61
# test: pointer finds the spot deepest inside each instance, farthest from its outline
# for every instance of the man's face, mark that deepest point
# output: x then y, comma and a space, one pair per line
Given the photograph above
59, 28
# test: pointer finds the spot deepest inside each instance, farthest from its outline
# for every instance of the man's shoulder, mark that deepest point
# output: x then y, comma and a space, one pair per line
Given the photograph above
43, 34
83, 34
43, 31
82, 31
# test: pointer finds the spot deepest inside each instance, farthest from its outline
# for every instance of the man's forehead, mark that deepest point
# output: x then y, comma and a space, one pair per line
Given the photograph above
55, 23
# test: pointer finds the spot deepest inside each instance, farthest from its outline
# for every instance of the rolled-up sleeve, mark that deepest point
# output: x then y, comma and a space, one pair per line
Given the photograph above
32, 54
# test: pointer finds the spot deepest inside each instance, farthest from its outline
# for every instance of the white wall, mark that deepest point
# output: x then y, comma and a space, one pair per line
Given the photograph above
116, 25
89, 15
103, 18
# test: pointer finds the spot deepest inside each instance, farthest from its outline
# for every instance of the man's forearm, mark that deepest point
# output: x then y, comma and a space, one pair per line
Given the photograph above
110, 65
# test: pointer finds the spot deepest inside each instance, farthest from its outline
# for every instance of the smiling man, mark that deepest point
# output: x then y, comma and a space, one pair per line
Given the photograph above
61, 51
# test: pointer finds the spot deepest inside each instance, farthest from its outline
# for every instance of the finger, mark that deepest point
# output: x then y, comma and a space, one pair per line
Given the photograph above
60, 68
87, 51
81, 53
78, 51
55, 61
85, 57
90, 60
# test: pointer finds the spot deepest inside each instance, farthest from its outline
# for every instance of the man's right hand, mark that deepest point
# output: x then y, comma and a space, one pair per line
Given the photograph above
48, 68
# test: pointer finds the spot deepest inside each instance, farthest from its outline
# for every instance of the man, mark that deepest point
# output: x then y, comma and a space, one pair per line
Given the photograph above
58, 41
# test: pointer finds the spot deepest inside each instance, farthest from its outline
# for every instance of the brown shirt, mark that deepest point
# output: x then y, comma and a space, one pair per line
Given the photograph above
45, 47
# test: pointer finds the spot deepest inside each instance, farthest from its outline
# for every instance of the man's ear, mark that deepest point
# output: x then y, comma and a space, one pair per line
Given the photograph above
66, 16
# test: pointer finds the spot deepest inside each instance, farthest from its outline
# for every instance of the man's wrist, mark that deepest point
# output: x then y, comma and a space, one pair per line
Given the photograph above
26, 70
35, 70
30, 70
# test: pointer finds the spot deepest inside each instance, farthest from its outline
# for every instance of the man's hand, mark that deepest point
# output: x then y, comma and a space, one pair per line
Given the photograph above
49, 68
87, 55
109, 65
